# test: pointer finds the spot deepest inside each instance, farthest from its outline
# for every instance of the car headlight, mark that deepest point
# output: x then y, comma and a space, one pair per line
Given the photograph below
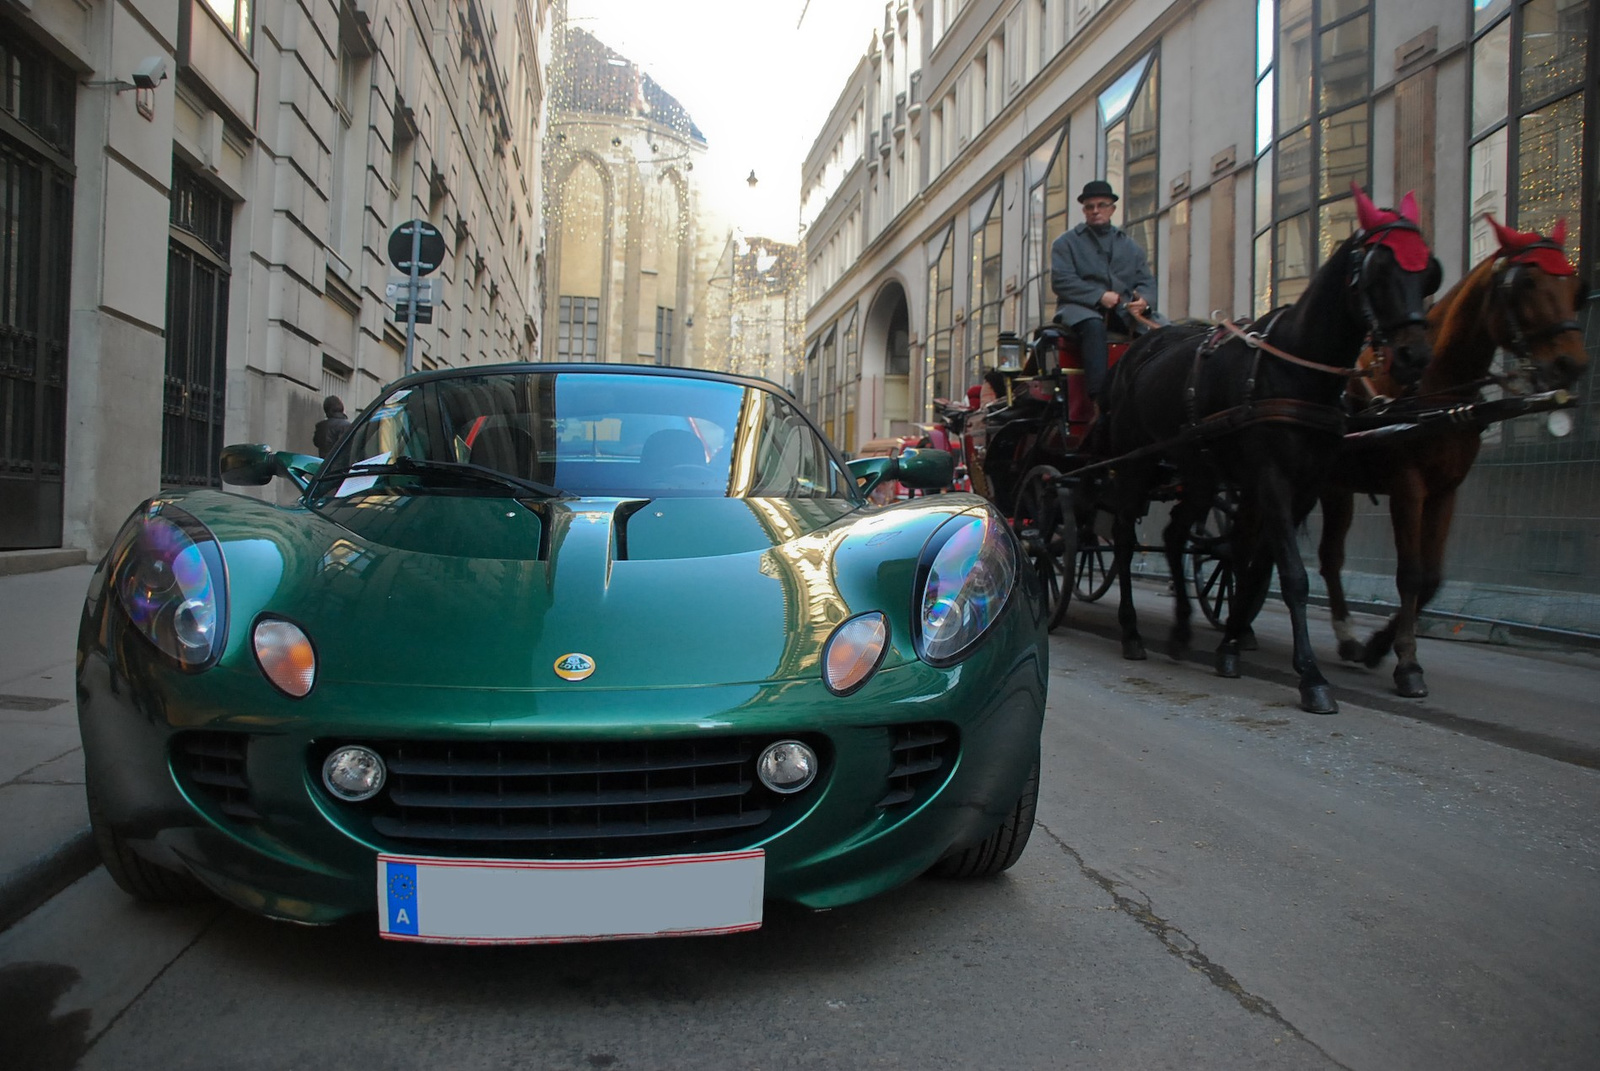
170, 582
967, 572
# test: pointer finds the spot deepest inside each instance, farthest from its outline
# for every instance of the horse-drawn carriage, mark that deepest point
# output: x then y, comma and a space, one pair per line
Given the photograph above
1241, 425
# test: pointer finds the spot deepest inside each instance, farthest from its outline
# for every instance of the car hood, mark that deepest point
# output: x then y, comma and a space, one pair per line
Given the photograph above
489, 592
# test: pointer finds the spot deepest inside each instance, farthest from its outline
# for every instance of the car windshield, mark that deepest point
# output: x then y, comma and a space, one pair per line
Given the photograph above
586, 433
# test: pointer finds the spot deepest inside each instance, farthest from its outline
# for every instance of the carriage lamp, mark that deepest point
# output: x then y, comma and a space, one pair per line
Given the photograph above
353, 773
787, 766
1009, 348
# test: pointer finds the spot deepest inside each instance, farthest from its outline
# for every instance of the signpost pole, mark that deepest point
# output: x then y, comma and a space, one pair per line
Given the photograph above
411, 298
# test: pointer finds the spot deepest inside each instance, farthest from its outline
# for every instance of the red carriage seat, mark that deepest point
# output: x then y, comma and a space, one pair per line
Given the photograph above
1055, 352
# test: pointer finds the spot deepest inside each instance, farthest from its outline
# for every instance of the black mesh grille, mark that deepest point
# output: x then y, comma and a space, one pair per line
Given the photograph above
214, 765
922, 754
571, 800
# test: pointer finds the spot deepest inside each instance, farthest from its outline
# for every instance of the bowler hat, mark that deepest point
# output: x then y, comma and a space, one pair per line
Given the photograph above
1097, 188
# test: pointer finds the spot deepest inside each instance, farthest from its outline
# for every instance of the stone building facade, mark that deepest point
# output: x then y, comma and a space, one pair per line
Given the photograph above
753, 310
1232, 130
208, 255
629, 255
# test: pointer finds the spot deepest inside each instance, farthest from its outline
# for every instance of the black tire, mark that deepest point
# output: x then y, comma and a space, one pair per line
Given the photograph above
1000, 849
1096, 568
135, 875
1039, 526
1211, 561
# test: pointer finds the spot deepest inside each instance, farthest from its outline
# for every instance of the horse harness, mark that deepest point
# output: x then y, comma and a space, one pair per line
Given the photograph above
1255, 410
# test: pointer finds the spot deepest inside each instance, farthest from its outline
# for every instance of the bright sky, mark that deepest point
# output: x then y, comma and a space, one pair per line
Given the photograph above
757, 86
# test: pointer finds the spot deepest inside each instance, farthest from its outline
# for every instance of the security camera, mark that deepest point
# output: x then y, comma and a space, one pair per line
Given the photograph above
151, 73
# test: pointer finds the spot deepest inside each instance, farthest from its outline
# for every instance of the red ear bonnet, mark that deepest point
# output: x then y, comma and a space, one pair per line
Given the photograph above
1531, 247
1410, 251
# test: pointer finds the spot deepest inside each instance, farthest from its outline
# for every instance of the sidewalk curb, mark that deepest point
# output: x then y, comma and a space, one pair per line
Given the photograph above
32, 885
22, 562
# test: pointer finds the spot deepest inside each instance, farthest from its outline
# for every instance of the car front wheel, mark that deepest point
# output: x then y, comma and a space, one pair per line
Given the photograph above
135, 875
1000, 849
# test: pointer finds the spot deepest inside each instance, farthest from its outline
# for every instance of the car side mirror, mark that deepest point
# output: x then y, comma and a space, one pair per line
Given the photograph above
255, 465
926, 470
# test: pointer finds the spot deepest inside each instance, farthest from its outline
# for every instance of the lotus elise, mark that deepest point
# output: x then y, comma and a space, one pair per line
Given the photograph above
549, 652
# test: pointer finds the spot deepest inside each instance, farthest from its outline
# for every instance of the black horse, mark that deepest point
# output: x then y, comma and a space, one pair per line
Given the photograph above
1256, 410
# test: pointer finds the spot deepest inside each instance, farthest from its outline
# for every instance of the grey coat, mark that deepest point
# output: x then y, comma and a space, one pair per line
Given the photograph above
1083, 267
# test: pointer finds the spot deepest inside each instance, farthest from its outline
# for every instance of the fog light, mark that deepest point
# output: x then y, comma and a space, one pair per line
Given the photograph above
787, 766
353, 773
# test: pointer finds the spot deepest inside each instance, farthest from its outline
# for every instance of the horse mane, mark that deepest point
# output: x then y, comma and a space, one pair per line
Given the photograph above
1330, 276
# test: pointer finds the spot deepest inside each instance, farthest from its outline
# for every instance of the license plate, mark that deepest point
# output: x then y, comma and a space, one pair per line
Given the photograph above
508, 901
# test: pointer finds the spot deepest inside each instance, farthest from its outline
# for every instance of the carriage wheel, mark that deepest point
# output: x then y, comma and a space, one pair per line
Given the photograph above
1096, 567
1211, 560
1038, 524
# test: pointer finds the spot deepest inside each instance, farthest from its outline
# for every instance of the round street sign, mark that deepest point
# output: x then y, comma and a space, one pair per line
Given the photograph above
429, 256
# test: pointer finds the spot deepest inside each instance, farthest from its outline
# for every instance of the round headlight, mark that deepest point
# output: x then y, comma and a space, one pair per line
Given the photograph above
169, 578
353, 773
787, 766
285, 656
966, 584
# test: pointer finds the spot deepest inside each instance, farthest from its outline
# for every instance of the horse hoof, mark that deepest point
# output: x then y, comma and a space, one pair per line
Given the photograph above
1177, 649
1317, 699
1352, 651
1227, 663
1372, 656
1247, 640
1133, 650
1409, 683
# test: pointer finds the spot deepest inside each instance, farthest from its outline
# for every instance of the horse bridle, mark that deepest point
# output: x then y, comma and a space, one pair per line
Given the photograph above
1506, 277
1359, 279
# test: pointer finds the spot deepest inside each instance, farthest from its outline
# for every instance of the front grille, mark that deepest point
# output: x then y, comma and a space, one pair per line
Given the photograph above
571, 800
922, 754
214, 765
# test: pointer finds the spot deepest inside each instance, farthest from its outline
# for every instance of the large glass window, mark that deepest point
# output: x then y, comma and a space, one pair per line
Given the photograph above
983, 288
236, 16
1313, 136
577, 328
941, 319
1046, 218
851, 385
1129, 139
1529, 69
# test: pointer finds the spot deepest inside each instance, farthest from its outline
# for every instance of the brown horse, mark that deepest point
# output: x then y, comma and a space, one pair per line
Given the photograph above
1525, 299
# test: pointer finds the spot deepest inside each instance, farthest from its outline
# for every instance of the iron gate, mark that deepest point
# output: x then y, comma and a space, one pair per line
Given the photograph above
36, 179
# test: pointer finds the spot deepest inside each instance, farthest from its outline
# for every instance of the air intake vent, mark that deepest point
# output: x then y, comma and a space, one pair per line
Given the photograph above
214, 765
923, 755
566, 800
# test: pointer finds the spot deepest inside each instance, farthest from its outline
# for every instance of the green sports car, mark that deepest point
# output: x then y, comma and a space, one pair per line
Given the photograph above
553, 652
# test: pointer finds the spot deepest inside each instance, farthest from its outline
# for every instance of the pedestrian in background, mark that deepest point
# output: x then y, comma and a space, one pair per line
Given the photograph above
331, 428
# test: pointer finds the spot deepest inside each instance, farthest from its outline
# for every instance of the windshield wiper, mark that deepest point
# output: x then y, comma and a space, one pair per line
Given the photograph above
464, 470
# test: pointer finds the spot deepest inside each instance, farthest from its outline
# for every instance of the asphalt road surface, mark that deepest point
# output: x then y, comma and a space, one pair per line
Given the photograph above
1216, 880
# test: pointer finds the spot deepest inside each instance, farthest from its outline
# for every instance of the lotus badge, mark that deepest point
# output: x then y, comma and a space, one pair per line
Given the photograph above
574, 666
